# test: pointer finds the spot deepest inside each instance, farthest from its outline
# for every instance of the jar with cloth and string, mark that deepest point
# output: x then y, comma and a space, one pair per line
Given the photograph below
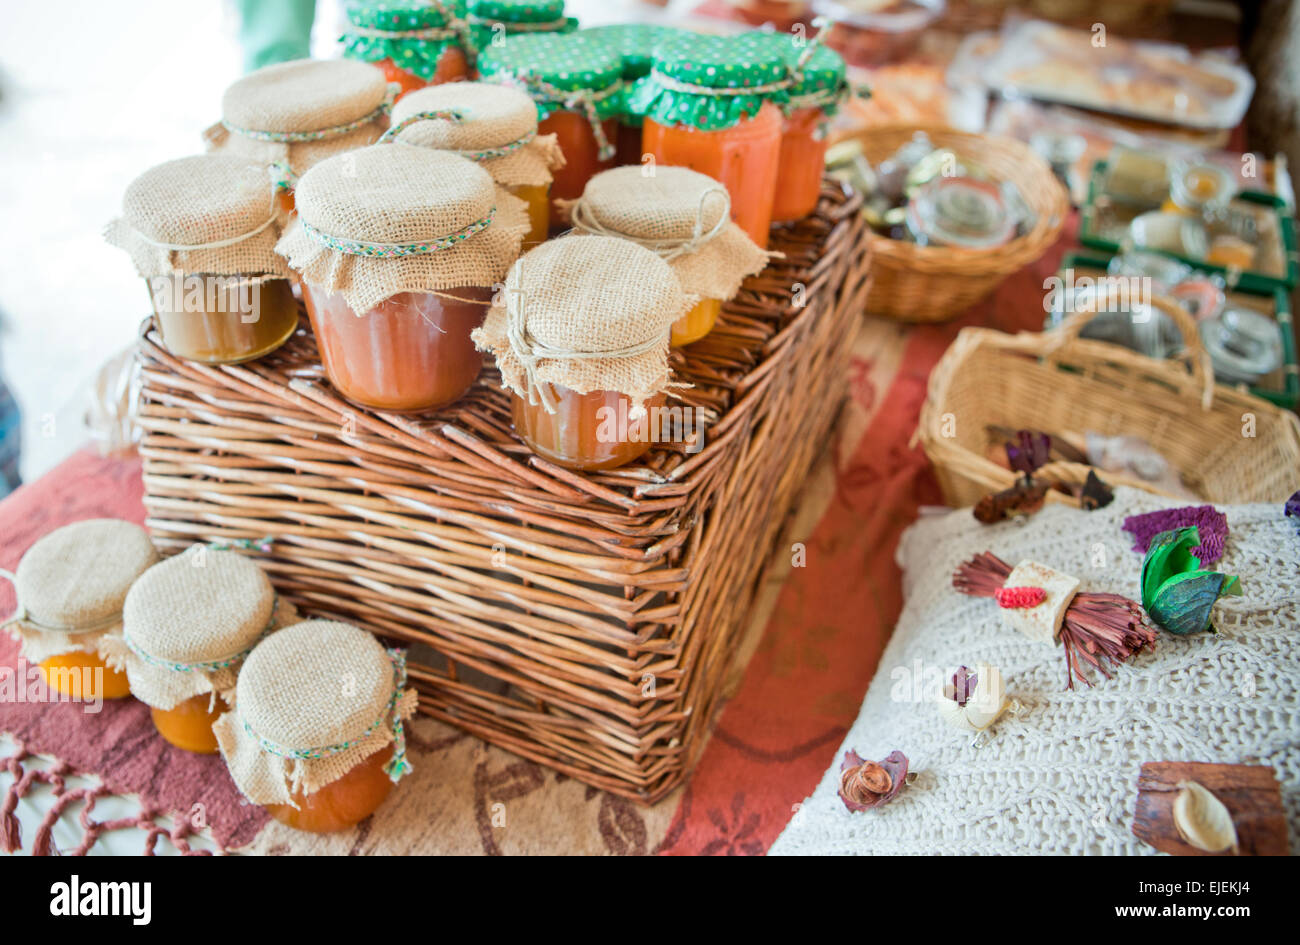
415, 43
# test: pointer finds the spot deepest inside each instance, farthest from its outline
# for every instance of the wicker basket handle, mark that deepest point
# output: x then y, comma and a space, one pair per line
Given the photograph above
1194, 353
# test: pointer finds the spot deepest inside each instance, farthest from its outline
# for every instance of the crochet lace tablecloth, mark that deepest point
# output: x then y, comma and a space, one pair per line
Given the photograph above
1061, 778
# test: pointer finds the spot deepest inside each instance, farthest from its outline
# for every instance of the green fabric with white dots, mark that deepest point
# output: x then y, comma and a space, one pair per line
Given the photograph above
484, 14
566, 61
730, 62
416, 56
635, 43
824, 74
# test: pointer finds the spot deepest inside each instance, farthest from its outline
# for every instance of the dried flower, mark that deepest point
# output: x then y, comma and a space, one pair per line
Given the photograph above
1211, 525
1019, 596
868, 784
1028, 451
1292, 508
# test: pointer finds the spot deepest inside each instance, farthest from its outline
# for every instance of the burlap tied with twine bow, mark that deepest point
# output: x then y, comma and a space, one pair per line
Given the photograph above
587, 313
293, 115
71, 585
392, 218
312, 703
210, 214
189, 622
679, 214
492, 125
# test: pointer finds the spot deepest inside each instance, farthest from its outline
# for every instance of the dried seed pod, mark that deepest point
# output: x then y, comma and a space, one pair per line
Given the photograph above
974, 707
1202, 819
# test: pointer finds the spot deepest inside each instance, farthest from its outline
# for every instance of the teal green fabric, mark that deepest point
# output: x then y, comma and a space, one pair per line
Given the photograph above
274, 32
514, 15
635, 42
416, 56
823, 76
567, 62
717, 62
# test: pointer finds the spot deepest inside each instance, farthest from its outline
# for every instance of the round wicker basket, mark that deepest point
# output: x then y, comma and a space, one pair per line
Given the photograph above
935, 283
1228, 445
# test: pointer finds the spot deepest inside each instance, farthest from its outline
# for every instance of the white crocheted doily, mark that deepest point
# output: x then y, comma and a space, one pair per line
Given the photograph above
1062, 777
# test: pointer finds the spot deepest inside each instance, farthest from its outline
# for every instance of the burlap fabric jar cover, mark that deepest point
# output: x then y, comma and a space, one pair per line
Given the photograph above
682, 216
71, 586
389, 218
189, 622
293, 115
414, 35
590, 313
314, 701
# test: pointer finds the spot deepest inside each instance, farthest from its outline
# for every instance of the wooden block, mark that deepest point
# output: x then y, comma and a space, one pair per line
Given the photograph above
1250, 792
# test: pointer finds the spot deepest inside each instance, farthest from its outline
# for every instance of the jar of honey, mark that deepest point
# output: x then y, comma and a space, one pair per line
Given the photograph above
397, 249
634, 42
415, 43
317, 735
70, 587
685, 218
818, 84
188, 624
577, 86
496, 127
580, 336
202, 231
711, 103
291, 115
491, 21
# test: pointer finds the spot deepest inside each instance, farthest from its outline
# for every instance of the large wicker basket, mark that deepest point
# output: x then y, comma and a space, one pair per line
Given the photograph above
1228, 445
585, 621
912, 283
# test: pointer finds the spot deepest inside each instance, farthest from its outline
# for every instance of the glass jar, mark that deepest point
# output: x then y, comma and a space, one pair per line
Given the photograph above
61, 671
340, 804
538, 198
744, 158
410, 41
223, 320
802, 162
411, 352
696, 323
188, 724
588, 431
582, 160
453, 66
634, 43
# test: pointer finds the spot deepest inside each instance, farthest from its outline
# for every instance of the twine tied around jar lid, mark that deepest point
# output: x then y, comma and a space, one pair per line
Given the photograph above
70, 586
668, 248
456, 118
313, 701
585, 313
588, 100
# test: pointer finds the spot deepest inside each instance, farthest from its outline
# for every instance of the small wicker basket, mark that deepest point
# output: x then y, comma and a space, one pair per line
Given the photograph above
1229, 446
914, 283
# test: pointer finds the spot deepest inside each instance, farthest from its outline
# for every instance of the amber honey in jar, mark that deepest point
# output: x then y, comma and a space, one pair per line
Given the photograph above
70, 587
317, 733
710, 103
188, 624
292, 115
685, 218
818, 84
415, 43
580, 336
496, 127
397, 273
202, 231
577, 85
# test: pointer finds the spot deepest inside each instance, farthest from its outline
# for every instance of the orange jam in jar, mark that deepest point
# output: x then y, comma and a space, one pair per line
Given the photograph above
538, 198
409, 40
576, 83
410, 352
634, 43
83, 675
696, 323
223, 320
589, 431
340, 804
188, 724
696, 117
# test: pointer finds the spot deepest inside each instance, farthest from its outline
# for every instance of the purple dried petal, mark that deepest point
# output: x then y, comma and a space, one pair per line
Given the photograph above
962, 686
895, 765
1211, 525
1293, 507
1028, 451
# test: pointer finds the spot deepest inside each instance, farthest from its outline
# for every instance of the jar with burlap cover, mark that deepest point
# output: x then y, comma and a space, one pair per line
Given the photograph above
709, 82
389, 219
492, 125
492, 20
681, 215
590, 313
293, 115
210, 214
411, 34
561, 72
189, 622
71, 584
313, 702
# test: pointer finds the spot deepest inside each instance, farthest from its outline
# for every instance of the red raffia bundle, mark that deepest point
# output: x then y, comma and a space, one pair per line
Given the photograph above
1096, 627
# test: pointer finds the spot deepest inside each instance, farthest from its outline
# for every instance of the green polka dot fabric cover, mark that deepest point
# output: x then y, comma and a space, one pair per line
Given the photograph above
516, 16
706, 62
418, 56
549, 65
823, 80
635, 42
